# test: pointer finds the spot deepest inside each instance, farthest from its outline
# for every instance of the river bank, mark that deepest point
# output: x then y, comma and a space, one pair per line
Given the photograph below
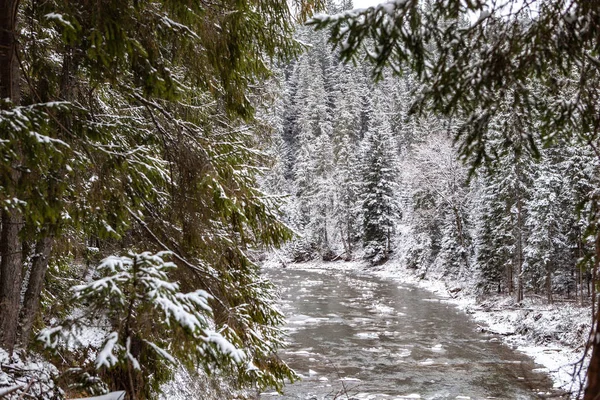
553, 335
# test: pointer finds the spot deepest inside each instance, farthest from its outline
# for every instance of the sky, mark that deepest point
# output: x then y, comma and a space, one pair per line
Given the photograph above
366, 3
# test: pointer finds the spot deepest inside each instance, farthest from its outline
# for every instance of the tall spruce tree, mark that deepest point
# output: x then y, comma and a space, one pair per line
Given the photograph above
380, 209
548, 247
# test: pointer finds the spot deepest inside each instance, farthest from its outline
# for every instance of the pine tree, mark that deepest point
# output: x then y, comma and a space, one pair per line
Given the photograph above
314, 156
580, 167
380, 209
548, 238
499, 233
347, 106
502, 230
493, 238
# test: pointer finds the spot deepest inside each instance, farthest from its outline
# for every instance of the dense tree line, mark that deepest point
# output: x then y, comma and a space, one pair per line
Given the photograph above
366, 177
338, 156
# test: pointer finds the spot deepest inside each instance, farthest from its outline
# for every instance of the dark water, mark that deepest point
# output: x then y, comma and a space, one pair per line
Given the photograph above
353, 336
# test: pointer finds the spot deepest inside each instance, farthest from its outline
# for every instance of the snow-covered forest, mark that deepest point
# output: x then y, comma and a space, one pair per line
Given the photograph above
365, 179
156, 153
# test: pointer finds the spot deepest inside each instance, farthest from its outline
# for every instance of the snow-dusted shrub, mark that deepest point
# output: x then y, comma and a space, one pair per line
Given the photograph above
151, 325
302, 250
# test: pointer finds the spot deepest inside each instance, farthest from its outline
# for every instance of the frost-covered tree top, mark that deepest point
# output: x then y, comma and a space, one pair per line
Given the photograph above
475, 59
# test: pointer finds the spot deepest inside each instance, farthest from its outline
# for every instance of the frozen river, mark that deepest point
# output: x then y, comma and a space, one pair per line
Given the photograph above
353, 336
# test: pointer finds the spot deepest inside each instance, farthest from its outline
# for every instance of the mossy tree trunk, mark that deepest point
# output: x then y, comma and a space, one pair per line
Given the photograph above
12, 220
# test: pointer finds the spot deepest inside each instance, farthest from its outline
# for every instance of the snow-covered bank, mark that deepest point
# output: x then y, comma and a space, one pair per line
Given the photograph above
553, 335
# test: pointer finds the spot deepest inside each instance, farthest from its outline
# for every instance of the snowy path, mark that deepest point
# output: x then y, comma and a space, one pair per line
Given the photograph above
376, 339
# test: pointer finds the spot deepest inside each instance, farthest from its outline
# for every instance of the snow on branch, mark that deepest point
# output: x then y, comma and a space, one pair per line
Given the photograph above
144, 306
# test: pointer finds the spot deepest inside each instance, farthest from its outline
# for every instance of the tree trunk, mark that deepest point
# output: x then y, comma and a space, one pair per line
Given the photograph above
12, 221
31, 304
465, 268
592, 387
509, 278
9, 64
549, 282
578, 270
520, 257
595, 272
11, 278
345, 241
45, 241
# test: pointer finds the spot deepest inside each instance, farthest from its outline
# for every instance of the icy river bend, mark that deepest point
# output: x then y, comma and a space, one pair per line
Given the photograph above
353, 336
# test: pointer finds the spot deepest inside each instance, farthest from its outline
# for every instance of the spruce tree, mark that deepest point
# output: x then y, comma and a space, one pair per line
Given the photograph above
380, 210
547, 243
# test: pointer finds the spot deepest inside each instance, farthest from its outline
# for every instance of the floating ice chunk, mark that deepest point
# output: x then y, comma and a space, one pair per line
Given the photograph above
403, 353
383, 309
120, 395
367, 335
300, 353
437, 347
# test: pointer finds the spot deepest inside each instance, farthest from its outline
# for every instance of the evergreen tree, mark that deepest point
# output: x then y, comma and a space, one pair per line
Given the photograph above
548, 242
347, 106
493, 238
380, 210
320, 225
314, 156
133, 125
502, 229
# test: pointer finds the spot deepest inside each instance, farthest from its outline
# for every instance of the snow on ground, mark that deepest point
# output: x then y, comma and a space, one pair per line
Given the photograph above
553, 335
199, 386
27, 377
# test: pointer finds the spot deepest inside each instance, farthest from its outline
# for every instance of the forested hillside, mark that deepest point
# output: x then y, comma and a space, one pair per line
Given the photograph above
365, 178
